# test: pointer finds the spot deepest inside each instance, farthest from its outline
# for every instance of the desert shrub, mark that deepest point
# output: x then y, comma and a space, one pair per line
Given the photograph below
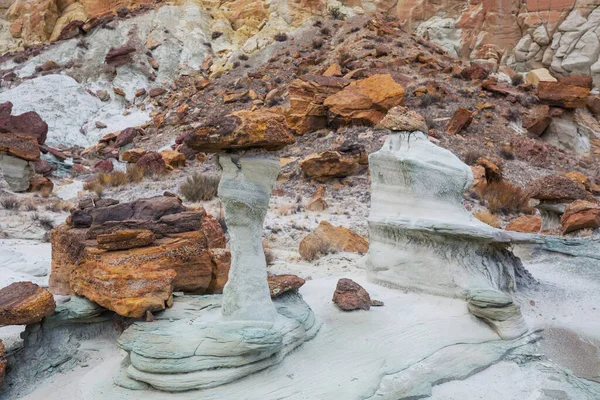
269, 255
325, 31
59, 206
29, 206
243, 57
10, 203
133, 174
517, 79
428, 99
45, 222
506, 153
488, 218
513, 114
503, 197
471, 156
318, 249
200, 187
335, 12
280, 37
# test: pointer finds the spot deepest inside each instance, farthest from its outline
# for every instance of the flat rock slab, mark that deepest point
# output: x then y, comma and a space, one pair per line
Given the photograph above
352, 353
24, 303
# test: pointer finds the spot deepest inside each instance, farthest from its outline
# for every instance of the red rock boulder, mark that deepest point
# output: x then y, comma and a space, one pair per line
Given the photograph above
350, 296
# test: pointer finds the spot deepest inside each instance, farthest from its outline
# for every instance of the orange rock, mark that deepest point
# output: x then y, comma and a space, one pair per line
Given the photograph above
331, 239
317, 202
264, 129
492, 171
133, 155
24, 303
580, 178
119, 91
21, 146
584, 81
40, 184
525, 224
537, 120
131, 282
173, 158
333, 70
125, 239
581, 214
280, 284
365, 101
402, 119
562, 95
462, 118
479, 179
333, 164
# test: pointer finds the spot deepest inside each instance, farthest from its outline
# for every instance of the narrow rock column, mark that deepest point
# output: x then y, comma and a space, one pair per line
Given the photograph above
245, 190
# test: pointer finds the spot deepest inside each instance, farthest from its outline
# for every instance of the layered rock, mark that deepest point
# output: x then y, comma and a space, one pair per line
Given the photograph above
331, 239
499, 311
18, 155
581, 214
421, 236
130, 257
562, 95
24, 303
242, 130
280, 284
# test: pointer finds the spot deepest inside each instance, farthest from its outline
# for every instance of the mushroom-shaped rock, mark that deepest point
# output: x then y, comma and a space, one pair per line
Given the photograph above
402, 119
242, 130
280, 284
24, 303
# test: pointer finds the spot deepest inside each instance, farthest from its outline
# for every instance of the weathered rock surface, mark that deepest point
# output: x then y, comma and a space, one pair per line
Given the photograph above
331, 164
365, 101
173, 158
133, 155
557, 188
402, 119
562, 95
525, 224
280, 284
28, 124
460, 120
242, 130
537, 120
581, 214
317, 201
152, 162
499, 311
130, 257
327, 238
306, 96
19, 145
24, 303
418, 219
350, 296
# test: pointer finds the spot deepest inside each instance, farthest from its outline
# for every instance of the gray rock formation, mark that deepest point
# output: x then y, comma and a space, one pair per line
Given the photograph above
421, 236
16, 172
223, 338
499, 311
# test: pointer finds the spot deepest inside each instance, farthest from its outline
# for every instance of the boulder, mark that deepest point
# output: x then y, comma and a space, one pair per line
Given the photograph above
19, 145
103, 165
28, 124
580, 214
40, 184
350, 296
327, 238
535, 76
173, 159
130, 257
580, 178
24, 303
334, 164
525, 224
306, 96
280, 284
152, 162
585, 81
537, 120
242, 130
133, 155
562, 95
557, 189
317, 202
462, 118
125, 239
127, 135
402, 119
365, 102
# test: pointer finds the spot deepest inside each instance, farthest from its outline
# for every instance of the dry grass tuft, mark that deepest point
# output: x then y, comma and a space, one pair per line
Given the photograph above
488, 218
10, 203
133, 174
200, 187
503, 197
59, 206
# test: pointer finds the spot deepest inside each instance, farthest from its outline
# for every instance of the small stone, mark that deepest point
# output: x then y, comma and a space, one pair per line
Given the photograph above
376, 303
350, 296
100, 125
119, 92
462, 118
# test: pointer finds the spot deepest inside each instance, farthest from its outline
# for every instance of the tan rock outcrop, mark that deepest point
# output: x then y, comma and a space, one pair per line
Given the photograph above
334, 164
242, 130
24, 303
402, 119
581, 214
365, 101
173, 158
562, 95
462, 118
125, 239
331, 239
526, 224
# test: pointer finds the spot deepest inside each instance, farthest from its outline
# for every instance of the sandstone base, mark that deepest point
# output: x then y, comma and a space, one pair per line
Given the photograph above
191, 346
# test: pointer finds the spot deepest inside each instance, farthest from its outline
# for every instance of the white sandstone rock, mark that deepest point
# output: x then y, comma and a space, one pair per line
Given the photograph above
16, 172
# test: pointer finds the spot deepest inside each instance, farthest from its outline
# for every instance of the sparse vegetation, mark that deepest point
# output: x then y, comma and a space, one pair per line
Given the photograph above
517, 79
488, 218
59, 206
428, 99
200, 187
471, 156
133, 174
503, 197
43, 221
513, 114
335, 12
281, 37
10, 203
